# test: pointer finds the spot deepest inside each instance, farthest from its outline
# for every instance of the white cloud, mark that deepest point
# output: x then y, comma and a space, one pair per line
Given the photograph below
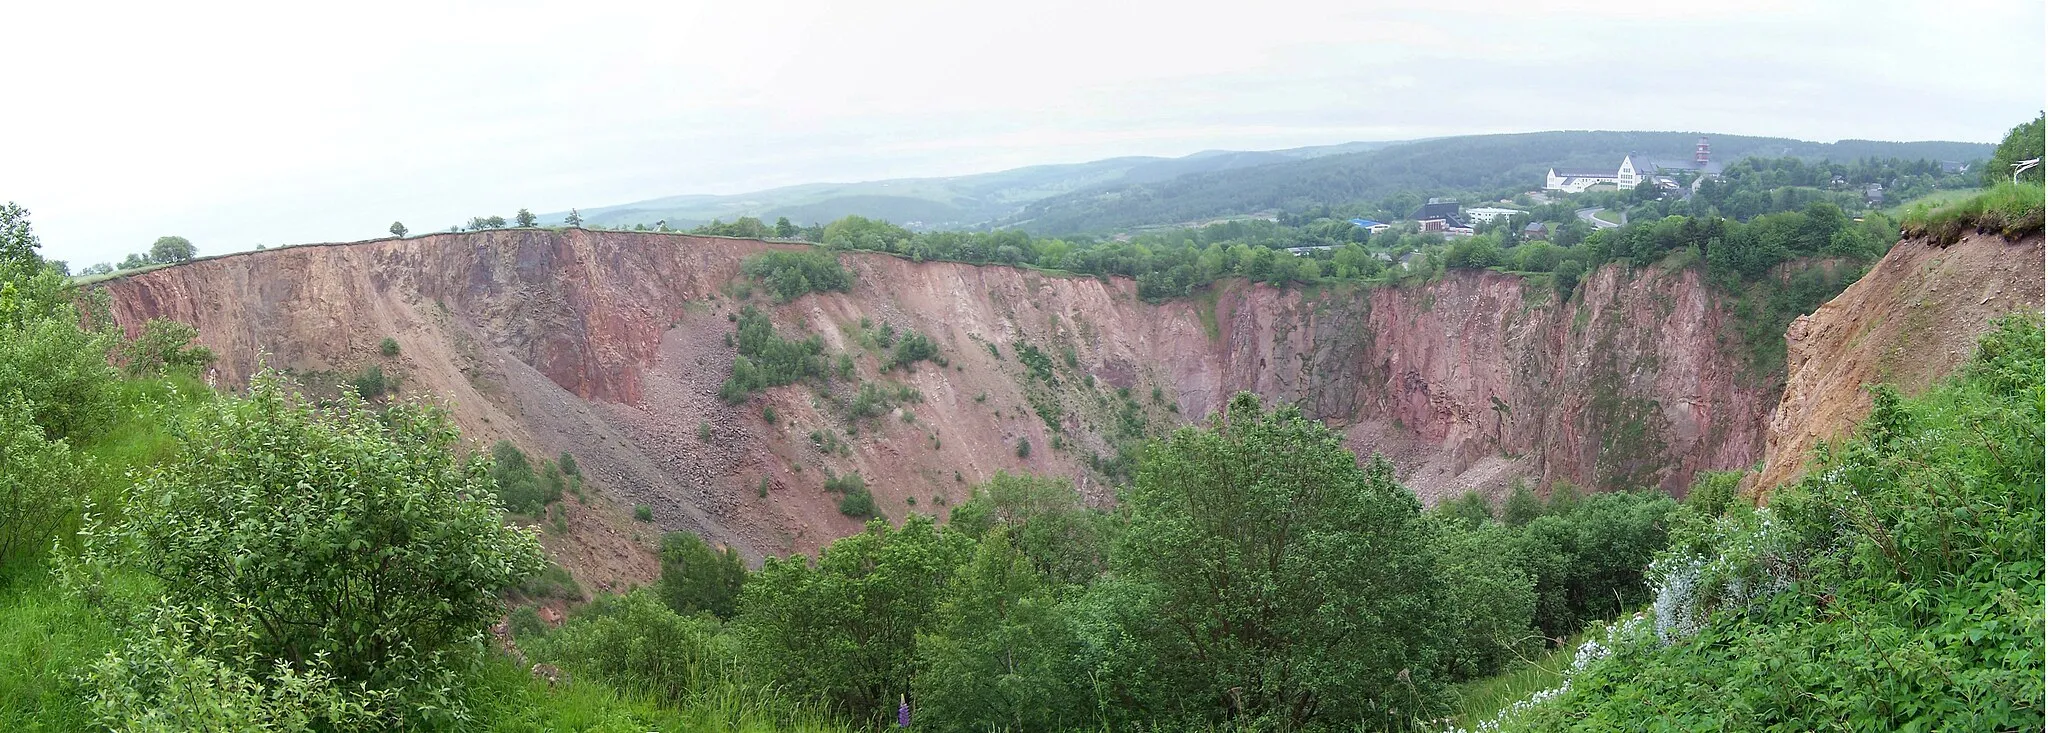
240, 123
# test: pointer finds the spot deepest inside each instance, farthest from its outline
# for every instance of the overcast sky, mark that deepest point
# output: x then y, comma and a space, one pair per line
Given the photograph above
235, 125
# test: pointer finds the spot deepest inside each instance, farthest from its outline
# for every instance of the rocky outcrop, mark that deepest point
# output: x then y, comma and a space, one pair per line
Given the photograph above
611, 345
1909, 322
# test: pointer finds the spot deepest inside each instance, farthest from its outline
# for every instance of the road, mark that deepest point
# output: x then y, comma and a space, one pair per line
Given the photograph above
1597, 222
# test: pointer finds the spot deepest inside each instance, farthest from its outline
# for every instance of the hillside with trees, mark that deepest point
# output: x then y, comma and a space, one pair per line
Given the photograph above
1489, 166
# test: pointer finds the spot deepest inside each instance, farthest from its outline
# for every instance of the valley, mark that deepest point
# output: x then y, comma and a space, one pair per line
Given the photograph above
608, 345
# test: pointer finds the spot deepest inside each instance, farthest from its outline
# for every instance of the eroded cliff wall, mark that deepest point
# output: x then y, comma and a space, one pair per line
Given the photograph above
611, 345
1909, 322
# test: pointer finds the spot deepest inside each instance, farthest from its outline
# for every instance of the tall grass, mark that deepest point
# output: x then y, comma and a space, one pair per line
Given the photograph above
506, 698
2009, 209
1481, 699
46, 637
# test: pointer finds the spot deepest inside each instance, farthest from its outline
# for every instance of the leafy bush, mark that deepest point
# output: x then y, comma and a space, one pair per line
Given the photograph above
38, 479
162, 345
914, 347
370, 384
194, 671
519, 489
635, 641
874, 400
345, 535
858, 504
643, 513
791, 274
553, 581
388, 347
698, 579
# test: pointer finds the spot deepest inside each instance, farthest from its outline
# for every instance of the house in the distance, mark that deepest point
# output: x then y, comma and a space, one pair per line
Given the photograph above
1535, 230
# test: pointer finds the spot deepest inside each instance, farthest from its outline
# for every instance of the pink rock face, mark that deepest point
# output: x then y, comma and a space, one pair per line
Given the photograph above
609, 344
1909, 322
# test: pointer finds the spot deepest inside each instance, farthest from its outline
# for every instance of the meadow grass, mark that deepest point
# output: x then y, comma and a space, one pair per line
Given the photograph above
1481, 699
2009, 209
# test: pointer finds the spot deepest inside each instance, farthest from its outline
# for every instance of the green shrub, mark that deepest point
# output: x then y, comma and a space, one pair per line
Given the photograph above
767, 360
553, 581
643, 513
371, 384
791, 274
1023, 447
163, 345
635, 641
526, 624
350, 535
519, 489
388, 347
768, 414
859, 504
38, 479
698, 579
914, 347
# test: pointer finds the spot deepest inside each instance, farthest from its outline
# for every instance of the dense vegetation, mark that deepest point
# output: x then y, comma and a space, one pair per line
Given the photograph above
1897, 587
790, 274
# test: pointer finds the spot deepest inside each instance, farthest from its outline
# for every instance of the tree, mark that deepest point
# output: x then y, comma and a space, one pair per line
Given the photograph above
136, 261
1287, 585
1004, 654
495, 222
350, 538
574, 219
56, 369
169, 250
524, 218
846, 629
698, 579
397, 229
784, 229
2023, 142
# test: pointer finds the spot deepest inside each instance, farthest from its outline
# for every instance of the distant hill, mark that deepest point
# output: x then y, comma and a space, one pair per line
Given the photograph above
938, 203
1121, 193
1444, 165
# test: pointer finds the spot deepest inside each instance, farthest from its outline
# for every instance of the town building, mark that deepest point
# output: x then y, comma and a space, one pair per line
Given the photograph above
1443, 216
1535, 230
1489, 214
1635, 170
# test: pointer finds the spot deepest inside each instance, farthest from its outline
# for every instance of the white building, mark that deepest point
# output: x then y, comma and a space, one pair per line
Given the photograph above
1634, 171
1489, 214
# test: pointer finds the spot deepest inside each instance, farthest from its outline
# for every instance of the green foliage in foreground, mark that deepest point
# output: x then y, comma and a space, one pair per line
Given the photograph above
310, 548
1897, 587
792, 274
